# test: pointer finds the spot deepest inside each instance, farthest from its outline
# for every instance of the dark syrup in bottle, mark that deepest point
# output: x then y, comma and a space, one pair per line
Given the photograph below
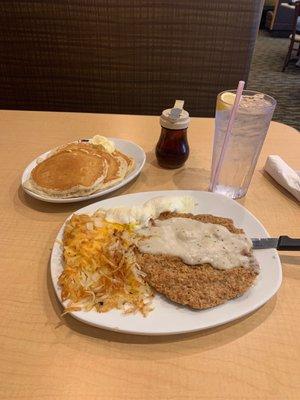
172, 149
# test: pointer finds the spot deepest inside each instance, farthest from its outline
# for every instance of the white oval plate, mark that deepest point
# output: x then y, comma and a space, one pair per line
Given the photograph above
167, 317
125, 146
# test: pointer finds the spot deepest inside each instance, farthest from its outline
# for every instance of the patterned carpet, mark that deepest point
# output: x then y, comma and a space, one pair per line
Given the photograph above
266, 76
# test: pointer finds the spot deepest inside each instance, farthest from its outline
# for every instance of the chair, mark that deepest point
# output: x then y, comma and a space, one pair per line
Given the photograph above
294, 37
129, 56
279, 21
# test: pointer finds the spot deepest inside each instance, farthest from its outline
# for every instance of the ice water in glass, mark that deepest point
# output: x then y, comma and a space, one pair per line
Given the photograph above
245, 141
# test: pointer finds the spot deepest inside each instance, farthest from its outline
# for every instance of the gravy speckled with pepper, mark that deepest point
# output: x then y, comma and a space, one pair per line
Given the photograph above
196, 242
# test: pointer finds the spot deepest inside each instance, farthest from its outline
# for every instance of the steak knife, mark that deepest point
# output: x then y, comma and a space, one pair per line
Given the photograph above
280, 243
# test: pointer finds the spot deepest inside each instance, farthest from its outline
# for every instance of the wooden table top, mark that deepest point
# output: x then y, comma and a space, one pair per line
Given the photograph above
44, 356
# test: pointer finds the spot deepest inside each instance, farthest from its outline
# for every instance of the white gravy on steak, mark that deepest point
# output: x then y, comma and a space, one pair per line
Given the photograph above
196, 242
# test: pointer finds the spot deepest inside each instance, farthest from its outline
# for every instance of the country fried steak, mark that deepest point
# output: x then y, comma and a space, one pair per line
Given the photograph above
199, 286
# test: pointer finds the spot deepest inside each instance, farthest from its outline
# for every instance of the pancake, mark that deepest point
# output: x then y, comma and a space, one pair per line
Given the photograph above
66, 174
129, 160
116, 162
199, 286
78, 169
117, 169
82, 146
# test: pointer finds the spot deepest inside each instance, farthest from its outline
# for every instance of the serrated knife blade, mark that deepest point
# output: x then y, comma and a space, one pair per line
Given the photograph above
265, 243
280, 243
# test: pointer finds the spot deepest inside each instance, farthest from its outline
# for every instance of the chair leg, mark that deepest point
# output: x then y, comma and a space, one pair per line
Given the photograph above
288, 56
298, 52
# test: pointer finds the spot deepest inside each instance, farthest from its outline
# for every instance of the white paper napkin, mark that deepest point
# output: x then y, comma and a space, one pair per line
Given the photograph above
284, 175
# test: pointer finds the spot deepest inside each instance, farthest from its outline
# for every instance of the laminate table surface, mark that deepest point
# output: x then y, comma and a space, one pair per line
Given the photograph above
46, 356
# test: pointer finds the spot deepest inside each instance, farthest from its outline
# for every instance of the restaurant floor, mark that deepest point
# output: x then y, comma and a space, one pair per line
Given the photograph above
266, 76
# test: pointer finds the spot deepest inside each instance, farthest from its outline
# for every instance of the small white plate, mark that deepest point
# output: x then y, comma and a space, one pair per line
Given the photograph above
127, 147
167, 317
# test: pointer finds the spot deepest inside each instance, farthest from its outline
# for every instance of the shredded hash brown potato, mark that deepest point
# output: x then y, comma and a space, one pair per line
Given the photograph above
100, 270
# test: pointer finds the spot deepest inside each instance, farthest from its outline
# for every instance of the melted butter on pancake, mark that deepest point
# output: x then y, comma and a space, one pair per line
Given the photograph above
108, 145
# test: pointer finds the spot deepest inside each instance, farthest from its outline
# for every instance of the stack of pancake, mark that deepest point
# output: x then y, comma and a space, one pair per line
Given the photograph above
79, 169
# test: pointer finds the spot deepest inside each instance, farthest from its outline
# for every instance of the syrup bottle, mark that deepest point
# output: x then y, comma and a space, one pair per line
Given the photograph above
172, 149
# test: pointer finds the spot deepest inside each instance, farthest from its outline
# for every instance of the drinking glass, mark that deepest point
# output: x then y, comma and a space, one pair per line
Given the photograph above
245, 140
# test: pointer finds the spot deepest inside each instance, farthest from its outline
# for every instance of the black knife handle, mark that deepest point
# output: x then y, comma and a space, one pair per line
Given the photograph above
287, 243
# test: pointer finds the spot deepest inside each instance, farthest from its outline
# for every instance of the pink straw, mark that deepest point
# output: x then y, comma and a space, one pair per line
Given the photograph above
232, 117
